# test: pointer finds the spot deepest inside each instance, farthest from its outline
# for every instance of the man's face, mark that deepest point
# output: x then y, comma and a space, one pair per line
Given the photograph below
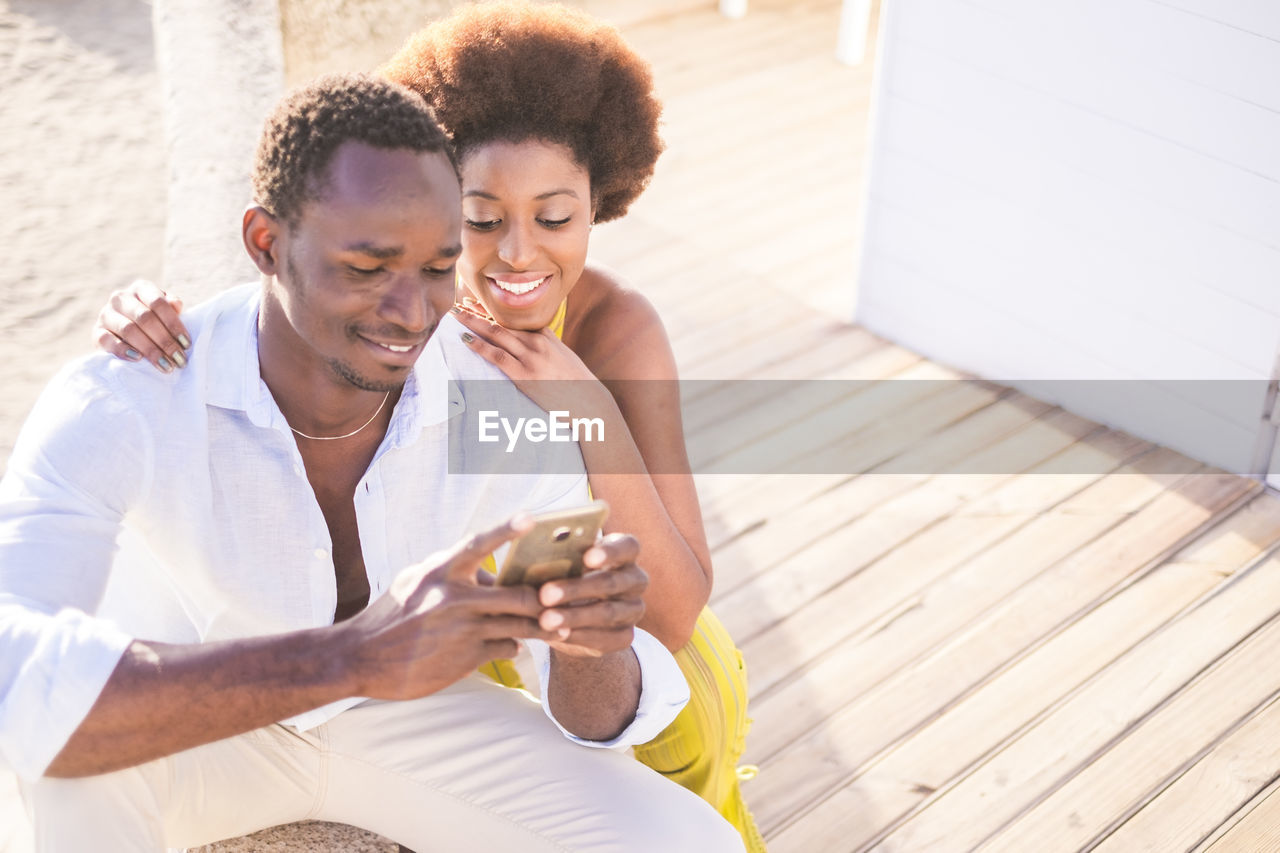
368, 269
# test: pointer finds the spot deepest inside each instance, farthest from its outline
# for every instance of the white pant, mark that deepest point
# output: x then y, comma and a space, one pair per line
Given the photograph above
475, 767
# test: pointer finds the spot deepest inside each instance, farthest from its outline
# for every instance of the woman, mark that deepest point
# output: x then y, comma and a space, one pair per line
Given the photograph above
554, 123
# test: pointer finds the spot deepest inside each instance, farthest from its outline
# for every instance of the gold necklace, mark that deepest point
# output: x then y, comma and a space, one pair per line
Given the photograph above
348, 435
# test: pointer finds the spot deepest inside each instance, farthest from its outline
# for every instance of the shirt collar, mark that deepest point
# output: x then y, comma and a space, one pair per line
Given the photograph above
234, 378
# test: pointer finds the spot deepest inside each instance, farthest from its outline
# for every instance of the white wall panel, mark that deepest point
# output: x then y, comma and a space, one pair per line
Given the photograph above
1045, 60
1260, 17
1157, 36
1084, 189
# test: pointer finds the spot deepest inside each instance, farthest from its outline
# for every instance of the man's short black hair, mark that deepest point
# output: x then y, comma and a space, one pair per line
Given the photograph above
311, 123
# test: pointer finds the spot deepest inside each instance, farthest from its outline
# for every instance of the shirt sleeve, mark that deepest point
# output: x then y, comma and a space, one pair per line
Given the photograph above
663, 691
79, 462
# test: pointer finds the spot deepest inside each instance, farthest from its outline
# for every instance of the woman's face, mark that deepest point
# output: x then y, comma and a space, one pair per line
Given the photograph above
526, 216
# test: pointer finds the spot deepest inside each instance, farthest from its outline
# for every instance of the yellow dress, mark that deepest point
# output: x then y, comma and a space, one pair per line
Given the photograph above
701, 747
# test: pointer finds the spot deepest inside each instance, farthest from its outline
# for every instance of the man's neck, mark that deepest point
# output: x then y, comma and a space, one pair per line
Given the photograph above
313, 399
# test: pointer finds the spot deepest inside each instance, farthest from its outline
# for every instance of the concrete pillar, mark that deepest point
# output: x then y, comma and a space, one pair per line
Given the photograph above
221, 66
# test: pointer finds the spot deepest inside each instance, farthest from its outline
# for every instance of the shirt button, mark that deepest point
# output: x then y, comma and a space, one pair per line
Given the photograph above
321, 553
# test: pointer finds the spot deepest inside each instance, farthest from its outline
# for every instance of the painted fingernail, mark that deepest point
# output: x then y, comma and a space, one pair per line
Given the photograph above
467, 337
551, 595
132, 354
593, 557
563, 633
457, 309
552, 620
180, 359
164, 364
184, 341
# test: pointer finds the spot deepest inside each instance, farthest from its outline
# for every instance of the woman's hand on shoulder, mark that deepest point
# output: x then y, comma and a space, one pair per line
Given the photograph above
141, 321
538, 363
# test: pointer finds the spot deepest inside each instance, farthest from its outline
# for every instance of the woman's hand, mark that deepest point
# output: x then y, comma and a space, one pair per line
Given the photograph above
538, 363
141, 321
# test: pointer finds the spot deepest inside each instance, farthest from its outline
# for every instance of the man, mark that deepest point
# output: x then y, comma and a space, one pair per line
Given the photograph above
282, 483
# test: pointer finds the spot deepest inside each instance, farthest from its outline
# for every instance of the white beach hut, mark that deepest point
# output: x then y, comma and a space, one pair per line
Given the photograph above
1087, 190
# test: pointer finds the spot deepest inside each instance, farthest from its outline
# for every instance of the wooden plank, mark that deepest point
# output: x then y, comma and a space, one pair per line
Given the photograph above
1258, 828
761, 238
940, 812
1000, 636
785, 533
695, 123
810, 140
735, 330
792, 529
801, 38
889, 436
819, 349
793, 420
776, 592
903, 621
1189, 809
818, 698
725, 522
1117, 783
819, 165
963, 732
736, 505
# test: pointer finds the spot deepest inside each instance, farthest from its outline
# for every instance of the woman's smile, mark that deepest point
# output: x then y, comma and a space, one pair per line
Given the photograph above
518, 290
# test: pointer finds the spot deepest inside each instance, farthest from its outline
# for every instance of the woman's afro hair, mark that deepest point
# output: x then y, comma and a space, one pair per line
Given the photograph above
514, 71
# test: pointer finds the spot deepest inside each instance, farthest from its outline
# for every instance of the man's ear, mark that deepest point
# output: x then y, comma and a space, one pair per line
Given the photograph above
260, 232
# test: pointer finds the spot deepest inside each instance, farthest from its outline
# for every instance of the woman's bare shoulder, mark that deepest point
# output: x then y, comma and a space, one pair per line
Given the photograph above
617, 330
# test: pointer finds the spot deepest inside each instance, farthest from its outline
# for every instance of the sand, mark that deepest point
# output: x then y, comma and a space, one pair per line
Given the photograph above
81, 178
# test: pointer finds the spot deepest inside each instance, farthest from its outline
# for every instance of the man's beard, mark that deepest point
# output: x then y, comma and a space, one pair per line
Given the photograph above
340, 368
352, 376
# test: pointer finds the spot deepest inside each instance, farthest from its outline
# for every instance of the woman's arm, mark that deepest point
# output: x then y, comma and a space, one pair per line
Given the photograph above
632, 356
621, 342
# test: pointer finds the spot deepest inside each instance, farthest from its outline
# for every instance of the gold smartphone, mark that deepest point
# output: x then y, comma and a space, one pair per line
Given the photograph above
553, 548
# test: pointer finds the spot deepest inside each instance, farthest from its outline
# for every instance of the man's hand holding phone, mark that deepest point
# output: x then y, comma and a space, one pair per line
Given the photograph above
592, 587
596, 614
595, 680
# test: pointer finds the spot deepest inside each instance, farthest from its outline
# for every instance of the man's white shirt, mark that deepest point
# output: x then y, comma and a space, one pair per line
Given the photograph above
197, 477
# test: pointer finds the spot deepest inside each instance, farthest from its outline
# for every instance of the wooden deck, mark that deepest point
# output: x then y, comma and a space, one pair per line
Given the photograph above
1040, 660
